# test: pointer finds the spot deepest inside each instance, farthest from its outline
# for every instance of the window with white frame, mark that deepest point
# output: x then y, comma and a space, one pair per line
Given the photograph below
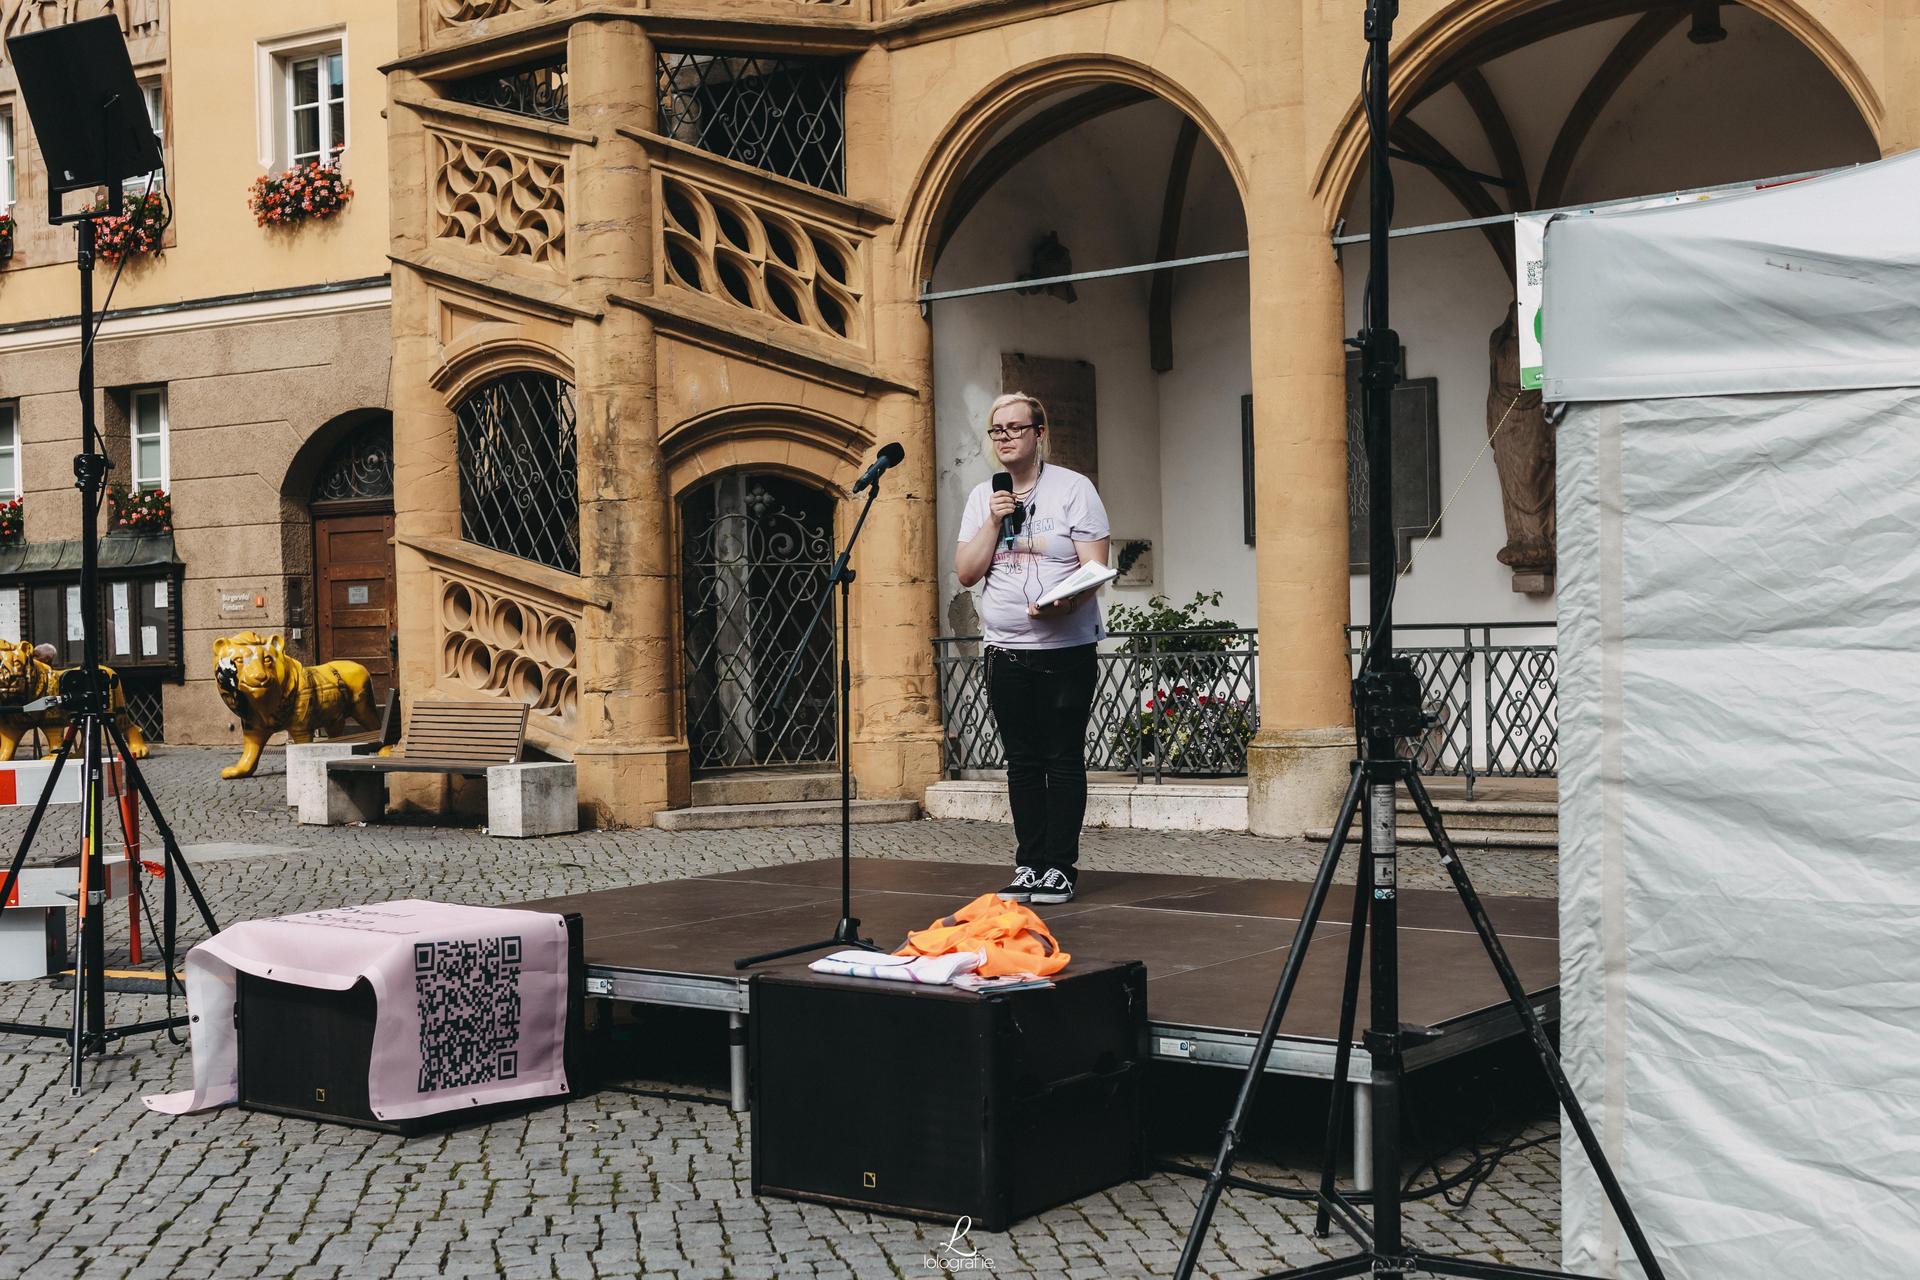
147, 419
316, 92
9, 451
6, 158
150, 93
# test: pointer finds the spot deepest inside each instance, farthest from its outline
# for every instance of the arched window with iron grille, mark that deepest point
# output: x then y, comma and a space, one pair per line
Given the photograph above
519, 467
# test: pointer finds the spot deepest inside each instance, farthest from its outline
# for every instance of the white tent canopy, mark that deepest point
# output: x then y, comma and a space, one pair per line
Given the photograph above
1739, 564
1811, 286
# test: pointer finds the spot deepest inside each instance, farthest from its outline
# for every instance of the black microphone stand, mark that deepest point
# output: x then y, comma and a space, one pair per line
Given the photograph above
1388, 709
846, 934
86, 694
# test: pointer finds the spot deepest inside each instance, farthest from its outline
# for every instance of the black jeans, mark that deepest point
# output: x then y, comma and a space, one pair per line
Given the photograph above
1041, 699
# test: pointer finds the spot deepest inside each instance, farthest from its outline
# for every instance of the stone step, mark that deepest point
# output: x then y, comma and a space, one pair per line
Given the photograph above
1141, 806
805, 813
1463, 838
1485, 815
770, 786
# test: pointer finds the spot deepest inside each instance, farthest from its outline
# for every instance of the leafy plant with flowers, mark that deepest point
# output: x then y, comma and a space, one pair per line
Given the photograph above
1189, 733
136, 231
139, 510
13, 521
6, 236
1187, 726
304, 193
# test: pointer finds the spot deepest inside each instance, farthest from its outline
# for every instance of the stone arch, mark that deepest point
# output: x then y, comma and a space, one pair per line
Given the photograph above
314, 453
814, 447
1458, 29
967, 137
487, 356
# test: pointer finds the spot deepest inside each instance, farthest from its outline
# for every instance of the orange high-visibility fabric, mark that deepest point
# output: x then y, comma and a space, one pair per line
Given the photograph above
1009, 935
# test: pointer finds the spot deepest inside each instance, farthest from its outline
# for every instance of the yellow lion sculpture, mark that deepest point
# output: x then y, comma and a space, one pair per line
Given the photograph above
25, 678
271, 692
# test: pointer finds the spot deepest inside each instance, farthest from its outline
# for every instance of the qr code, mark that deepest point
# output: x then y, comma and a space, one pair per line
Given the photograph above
469, 998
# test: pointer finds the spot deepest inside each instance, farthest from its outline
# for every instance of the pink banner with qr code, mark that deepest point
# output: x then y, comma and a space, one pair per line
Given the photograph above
471, 1001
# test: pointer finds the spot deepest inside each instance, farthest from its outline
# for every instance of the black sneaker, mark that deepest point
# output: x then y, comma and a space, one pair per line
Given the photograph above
1055, 885
1024, 880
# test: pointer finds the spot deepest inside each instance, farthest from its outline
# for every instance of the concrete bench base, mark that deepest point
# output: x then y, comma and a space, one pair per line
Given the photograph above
538, 799
321, 799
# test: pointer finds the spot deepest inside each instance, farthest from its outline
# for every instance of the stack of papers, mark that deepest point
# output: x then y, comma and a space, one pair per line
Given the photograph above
1089, 575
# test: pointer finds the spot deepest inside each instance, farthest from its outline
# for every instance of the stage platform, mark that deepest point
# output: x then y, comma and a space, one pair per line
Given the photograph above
1213, 948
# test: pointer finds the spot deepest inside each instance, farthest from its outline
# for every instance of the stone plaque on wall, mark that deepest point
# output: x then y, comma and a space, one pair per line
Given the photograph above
1066, 387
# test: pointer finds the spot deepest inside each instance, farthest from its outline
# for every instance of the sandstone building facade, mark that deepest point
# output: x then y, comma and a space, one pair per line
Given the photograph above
672, 315
244, 370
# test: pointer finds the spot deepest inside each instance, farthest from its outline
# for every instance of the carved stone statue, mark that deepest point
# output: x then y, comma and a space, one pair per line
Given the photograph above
1523, 454
271, 692
26, 677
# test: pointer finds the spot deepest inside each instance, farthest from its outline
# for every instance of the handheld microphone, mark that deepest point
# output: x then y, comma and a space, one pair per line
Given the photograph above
1009, 524
889, 454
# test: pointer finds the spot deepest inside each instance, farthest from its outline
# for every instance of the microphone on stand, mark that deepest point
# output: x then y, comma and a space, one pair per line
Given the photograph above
889, 454
1009, 523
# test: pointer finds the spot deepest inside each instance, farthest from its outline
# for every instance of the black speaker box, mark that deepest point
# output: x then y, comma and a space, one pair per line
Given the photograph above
933, 1102
306, 1052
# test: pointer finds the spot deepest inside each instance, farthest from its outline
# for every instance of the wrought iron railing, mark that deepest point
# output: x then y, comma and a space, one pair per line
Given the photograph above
1493, 688
518, 469
539, 91
784, 115
1165, 704
146, 707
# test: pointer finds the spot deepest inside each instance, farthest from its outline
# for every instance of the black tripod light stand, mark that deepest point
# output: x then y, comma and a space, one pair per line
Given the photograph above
846, 934
1387, 711
91, 121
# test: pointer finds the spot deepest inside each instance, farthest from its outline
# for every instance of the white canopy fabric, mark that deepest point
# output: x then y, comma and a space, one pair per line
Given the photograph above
1739, 647
1811, 286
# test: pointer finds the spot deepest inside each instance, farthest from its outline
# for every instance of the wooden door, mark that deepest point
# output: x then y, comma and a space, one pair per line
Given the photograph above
353, 571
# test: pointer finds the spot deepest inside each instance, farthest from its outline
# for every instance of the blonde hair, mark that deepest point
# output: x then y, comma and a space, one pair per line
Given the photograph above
1034, 406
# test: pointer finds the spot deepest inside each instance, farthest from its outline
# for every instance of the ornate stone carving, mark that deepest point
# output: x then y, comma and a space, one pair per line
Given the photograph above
1523, 454
764, 259
455, 13
138, 18
506, 201
506, 644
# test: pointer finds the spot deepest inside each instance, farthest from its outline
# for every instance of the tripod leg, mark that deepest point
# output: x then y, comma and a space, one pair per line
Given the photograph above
175, 860
1536, 1030
39, 812
1343, 1052
90, 1014
1236, 1125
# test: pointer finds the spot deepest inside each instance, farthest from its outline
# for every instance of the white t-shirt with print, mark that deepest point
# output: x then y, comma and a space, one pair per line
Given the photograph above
1064, 508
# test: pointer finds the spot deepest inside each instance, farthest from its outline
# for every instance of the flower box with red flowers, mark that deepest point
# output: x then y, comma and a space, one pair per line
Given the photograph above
304, 193
13, 521
135, 232
139, 511
6, 236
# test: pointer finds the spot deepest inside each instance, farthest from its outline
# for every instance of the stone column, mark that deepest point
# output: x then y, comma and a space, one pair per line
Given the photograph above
426, 477
632, 755
896, 599
1297, 766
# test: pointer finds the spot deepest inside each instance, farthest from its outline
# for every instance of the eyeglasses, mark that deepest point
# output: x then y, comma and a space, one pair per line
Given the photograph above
1010, 431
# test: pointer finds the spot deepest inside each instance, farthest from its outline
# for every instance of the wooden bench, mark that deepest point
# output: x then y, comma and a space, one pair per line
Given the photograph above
464, 738
461, 739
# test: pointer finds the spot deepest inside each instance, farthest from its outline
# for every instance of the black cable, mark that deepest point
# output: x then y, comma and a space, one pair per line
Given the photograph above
100, 313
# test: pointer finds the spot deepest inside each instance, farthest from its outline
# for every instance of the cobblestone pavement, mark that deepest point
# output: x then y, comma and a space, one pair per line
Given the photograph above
612, 1184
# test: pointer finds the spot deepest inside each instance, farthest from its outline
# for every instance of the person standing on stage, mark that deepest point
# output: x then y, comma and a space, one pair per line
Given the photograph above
1040, 659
